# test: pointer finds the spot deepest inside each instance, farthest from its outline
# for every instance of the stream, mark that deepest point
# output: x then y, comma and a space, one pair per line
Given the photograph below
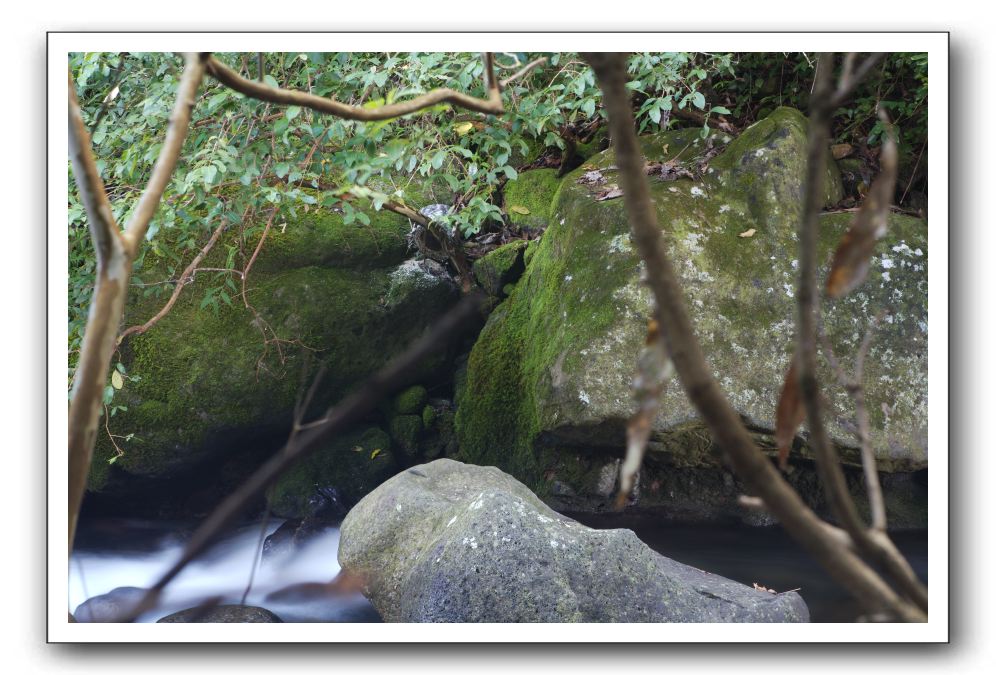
112, 553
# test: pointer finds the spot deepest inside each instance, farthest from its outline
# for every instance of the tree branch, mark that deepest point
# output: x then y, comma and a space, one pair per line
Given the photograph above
878, 548
523, 71
176, 133
264, 92
187, 276
696, 376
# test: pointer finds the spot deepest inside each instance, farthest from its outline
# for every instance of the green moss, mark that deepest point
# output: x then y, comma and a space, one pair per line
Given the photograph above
428, 416
500, 267
534, 191
323, 239
411, 400
406, 431
354, 463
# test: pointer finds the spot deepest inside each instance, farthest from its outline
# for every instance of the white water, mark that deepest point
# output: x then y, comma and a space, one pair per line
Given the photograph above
223, 571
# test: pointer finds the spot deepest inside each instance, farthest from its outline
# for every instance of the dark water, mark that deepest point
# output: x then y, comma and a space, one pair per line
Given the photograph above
766, 556
113, 553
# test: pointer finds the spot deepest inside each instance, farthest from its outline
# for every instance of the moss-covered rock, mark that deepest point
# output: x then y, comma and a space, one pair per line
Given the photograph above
210, 382
500, 267
552, 367
405, 432
411, 400
353, 464
529, 198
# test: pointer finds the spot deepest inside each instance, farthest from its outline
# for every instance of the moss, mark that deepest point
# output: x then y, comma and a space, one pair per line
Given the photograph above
428, 416
500, 267
411, 400
534, 191
406, 431
322, 239
354, 463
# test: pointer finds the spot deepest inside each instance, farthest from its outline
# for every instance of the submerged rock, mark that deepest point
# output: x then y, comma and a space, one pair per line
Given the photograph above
547, 391
223, 614
450, 542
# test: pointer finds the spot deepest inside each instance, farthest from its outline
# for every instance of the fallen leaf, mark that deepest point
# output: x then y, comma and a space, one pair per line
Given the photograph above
374, 453
116, 380
853, 255
611, 193
522, 210
749, 233
358, 448
841, 150
788, 415
463, 128
593, 177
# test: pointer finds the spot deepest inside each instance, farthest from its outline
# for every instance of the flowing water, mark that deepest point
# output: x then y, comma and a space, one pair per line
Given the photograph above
116, 553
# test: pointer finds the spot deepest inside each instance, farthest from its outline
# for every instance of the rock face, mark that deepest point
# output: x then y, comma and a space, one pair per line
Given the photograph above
449, 542
223, 614
211, 382
547, 391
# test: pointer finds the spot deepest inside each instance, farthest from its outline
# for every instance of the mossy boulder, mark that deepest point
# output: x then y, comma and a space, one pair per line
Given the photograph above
353, 464
411, 400
405, 432
217, 381
500, 267
550, 373
529, 198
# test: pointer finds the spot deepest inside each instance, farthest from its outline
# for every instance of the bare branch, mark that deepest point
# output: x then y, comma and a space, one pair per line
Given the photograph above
176, 133
100, 218
853, 78
696, 376
523, 71
186, 277
880, 549
264, 92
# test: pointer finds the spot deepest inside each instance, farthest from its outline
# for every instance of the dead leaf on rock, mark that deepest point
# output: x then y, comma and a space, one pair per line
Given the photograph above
593, 177
611, 193
853, 256
788, 415
842, 150
521, 210
749, 233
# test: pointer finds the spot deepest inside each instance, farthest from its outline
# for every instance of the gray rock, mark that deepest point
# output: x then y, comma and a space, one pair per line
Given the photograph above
109, 607
451, 542
223, 614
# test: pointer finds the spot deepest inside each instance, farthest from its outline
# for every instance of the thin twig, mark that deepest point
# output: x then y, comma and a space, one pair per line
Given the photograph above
188, 275
523, 71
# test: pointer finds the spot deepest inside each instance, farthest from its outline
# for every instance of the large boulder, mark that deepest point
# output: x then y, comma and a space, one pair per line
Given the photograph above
214, 381
450, 542
547, 391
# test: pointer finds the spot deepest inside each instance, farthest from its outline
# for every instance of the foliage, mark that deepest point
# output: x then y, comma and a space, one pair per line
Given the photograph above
244, 157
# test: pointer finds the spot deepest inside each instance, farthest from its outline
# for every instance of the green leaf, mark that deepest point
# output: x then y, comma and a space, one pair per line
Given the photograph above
698, 100
720, 110
510, 172
292, 112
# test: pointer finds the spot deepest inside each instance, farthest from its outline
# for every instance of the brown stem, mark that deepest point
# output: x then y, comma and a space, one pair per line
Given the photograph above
186, 277
523, 71
878, 548
696, 376
264, 92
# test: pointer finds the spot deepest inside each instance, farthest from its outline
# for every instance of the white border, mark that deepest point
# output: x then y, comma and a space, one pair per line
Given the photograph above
936, 44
